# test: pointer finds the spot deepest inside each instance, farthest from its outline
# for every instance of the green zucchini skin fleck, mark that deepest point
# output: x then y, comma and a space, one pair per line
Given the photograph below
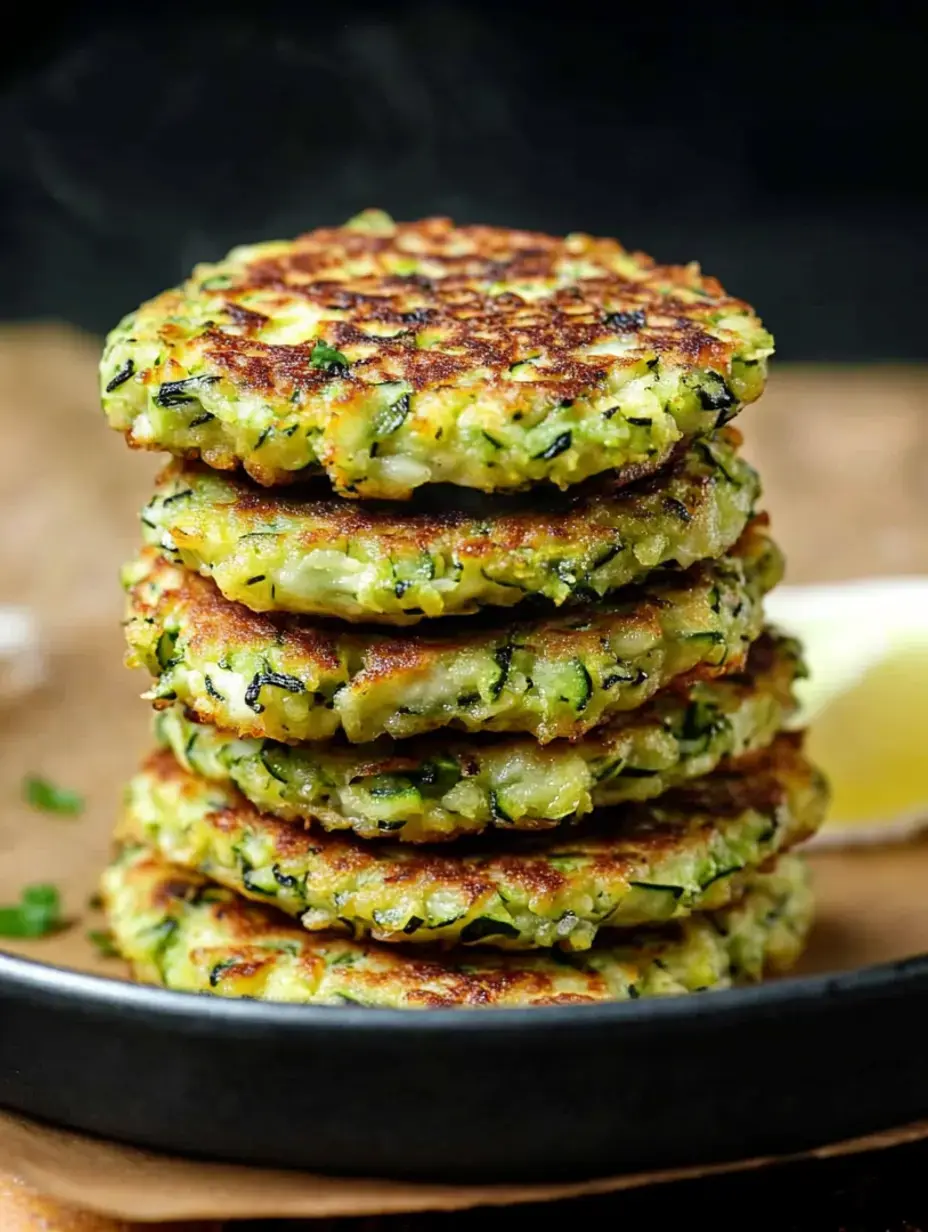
180, 931
436, 789
640, 863
324, 556
395, 355
289, 679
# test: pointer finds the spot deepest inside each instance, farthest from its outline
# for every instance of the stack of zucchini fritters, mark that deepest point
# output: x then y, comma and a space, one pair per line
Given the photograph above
452, 598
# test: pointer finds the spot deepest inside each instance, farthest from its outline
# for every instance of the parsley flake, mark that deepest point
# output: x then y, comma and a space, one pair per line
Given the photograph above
325, 356
43, 795
37, 914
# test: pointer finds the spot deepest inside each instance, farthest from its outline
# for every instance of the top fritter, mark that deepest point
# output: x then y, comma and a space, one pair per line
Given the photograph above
393, 355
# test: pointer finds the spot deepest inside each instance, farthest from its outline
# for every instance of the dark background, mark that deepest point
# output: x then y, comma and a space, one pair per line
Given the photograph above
785, 154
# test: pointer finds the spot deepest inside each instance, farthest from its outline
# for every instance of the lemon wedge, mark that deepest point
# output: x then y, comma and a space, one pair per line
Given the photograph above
866, 700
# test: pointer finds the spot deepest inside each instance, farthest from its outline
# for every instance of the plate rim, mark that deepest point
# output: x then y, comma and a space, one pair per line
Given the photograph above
196, 1010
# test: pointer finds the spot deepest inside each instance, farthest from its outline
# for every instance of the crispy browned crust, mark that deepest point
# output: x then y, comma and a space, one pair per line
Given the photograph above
615, 843
516, 521
178, 930
521, 890
478, 329
394, 355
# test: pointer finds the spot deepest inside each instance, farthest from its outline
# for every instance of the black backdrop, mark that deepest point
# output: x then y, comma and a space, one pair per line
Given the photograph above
785, 154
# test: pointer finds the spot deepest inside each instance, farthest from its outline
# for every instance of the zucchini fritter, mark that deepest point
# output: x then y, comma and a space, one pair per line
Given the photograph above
179, 930
640, 864
434, 789
280, 677
330, 557
395, 355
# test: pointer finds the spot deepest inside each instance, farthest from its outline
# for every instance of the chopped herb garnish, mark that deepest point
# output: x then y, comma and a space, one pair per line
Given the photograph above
483, 926
394, 786
674, 890
255, 887
220, 969
609, 554
718, 398
102, 940
723, 872
677, 508
37, 914
586, 684
626, 322
179, 495
164, 651
284, 879
121, 376
557, 446
178, 393
211, 689
45, 796
497, 812
418, 316
327, 357
275, 679
503, 657
389, 419
619, 678
266, 757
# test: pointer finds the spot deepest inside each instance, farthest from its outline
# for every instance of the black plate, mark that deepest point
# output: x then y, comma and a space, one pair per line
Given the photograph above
488, 1095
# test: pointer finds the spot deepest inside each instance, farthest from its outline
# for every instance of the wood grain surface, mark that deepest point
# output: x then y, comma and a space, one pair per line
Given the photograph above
24, 1210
